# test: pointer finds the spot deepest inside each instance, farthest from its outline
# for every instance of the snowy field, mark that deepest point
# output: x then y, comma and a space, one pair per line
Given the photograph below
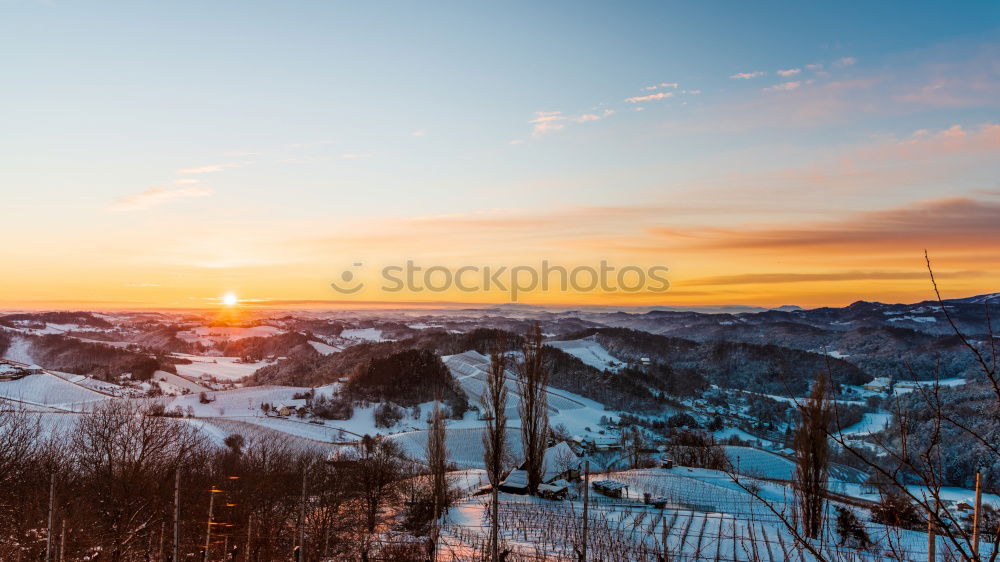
327, 432
18, 351
590, 352
323, 348
172, 384
362, 334
756, 462
222, 368
47, 389
573, 411
233, 403
872, 422
465, 446
707, 517
206, 335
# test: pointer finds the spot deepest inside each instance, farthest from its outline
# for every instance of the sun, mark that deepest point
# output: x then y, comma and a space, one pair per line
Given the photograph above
229, 299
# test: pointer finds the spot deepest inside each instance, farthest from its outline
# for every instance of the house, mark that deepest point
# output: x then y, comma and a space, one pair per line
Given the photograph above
289, 407
597, 444
559, 463
556, 490
13, 370
610, 488
658, 502
879, 384
515, 483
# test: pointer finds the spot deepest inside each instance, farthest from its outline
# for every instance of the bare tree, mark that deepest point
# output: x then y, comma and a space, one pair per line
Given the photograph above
494, 408
920, 454
633, 443
812, 455
377, 468
532, 379
437, 459
121, 455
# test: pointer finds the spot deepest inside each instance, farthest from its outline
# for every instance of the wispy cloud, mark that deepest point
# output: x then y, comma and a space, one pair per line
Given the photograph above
845, 62
594, 116
418, 133
747, 75
547, 121
356, 155
210, 168
650, 97
772, 278
661, 85
956, 224
155, 196
783, 87
789, 72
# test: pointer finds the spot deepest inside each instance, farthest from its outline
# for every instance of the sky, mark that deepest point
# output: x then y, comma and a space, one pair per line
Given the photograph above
167, 154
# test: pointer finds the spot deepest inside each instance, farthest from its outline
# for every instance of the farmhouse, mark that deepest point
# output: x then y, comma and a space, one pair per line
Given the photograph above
559, 465
289, 407
879, 384
610, 488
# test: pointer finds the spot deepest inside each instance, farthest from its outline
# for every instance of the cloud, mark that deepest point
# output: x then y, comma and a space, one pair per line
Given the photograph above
845, 62
356, 155
783, 87
650, 97
155, 196
747, 75
517, 141
547, 121
418, 133
925, 145
814, 66
209, 168
772, 278
789, 72
956, 224
594, 116
661, 85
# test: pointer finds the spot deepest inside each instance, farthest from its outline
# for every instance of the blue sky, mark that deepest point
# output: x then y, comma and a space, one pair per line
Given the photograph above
270, 139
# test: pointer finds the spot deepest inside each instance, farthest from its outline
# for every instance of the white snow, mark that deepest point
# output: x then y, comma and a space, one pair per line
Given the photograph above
872, 422
18, 351
362, 334
324, 349
590, 352
921, 319
208, 335
47, 389
223, 368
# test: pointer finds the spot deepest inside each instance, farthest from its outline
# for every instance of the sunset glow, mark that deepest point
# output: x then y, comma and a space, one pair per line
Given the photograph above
763, 164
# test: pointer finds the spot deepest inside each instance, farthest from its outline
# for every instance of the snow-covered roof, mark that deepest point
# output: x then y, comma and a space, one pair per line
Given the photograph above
608, 484
558, 459
517, 479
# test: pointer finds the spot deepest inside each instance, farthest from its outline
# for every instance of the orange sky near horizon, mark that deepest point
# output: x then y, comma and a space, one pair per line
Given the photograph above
766, 155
